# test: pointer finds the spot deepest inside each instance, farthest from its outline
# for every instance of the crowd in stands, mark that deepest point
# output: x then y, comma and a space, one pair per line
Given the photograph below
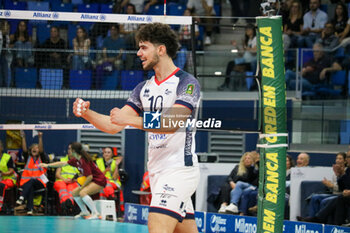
68, 45
34, 182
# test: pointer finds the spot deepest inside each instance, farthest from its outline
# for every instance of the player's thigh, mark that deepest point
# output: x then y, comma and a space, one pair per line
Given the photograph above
172, 191
91, 189
186, 226
161, 223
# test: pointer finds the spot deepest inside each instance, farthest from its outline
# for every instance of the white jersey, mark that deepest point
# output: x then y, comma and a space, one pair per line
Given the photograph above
169, 150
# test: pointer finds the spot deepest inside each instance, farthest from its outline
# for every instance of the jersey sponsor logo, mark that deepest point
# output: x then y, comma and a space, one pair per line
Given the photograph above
168, 92
189, 89
151, 120
146, 93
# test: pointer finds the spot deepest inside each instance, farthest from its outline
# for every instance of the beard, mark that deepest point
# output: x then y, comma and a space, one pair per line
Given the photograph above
152, 63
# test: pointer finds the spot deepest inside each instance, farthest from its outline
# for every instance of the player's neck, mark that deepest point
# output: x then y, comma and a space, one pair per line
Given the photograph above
163, 69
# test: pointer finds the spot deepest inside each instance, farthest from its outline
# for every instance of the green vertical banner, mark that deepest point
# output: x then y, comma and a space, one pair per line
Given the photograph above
273, 140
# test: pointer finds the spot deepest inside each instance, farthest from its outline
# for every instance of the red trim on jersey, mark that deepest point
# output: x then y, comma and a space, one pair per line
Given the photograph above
160, 82
133, 109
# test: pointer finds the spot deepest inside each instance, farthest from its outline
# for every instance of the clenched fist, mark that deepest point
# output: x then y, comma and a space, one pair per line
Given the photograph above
80, 107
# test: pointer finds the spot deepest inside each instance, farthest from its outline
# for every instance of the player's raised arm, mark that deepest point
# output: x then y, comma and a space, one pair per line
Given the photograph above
82, 109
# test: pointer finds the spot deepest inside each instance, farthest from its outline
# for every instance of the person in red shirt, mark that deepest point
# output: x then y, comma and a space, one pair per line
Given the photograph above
95, 180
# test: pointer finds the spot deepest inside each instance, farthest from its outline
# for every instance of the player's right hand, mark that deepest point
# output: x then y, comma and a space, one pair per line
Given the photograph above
80, 107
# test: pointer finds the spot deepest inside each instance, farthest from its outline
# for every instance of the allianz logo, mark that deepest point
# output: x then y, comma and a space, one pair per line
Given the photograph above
242, 226
132, 213
42, 15
217, 224
140, 18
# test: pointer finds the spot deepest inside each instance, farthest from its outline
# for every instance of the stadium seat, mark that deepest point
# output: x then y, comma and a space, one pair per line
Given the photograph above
181, 58
305, 55
345, 132
51, 78
15, 5
110, 82
106, 8
336, 85
88, 8
175, 9
38, 6
130, 79
156, 10
62, 7
25, 77
77, 2
249, 80
80, 79
42, 32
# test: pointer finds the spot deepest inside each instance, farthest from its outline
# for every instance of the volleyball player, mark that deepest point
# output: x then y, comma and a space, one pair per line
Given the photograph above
173, 93
95, 180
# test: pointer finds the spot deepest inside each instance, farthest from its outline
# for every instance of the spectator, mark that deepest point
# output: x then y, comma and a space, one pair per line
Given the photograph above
241, 186
110, 167
112, 58
92, 181
337, 207
5, 55
185, 33
7, 174
145, 199
293, 25
239, 8
244, 171
328, 39
33, 176
311, 72
314, 21
57, 57
129, 29
341, 22
81, 45
65, 183
140, 5
241, 64
319, 201
22, 42
303, 159
204, 8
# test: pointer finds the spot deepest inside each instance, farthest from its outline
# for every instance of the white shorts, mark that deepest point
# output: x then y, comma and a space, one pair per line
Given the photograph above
172, 190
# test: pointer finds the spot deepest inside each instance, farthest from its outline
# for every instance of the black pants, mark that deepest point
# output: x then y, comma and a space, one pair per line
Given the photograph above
224, 195
342, 208
28, 191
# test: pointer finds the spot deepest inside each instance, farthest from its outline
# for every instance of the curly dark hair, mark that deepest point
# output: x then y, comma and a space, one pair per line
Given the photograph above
158, 33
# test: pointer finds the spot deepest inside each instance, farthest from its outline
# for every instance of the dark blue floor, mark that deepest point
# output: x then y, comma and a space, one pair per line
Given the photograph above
50, 224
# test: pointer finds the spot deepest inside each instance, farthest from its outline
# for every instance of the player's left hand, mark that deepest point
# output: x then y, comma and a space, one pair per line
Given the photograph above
118, 117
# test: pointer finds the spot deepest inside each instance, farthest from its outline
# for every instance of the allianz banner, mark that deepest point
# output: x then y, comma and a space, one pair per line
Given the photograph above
273, 140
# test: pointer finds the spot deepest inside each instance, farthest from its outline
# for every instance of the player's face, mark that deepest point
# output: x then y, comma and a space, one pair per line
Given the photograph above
148, 55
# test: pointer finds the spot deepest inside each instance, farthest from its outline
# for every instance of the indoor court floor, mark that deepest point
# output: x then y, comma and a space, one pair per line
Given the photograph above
50, 224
